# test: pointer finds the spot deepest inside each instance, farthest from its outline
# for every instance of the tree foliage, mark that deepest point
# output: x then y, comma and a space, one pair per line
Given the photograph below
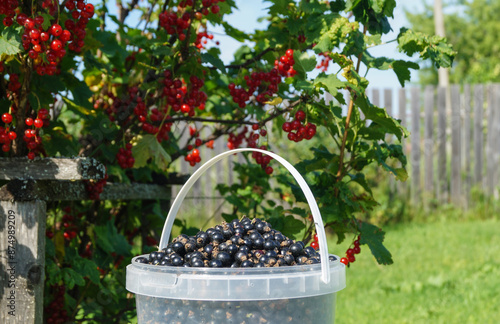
472, 26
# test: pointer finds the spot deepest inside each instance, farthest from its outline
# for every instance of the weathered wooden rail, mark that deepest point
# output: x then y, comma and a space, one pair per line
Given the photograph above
23, 208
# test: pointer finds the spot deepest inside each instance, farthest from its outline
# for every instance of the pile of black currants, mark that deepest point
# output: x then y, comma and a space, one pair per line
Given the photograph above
244, 243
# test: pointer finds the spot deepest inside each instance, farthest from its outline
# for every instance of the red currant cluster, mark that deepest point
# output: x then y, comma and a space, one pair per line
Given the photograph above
325, 61
174, 24
285, 64
261, 84
14, 85
80, 13
124, 157
54, 311
235, 140
351, 251
263, 160
180, 97
302, 131
201, 39
210, 5
32, 133
193, 157
95, 188
7, 8
69, 225
6, 135
315, 244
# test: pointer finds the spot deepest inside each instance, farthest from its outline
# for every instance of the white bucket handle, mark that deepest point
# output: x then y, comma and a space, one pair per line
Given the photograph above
318, 222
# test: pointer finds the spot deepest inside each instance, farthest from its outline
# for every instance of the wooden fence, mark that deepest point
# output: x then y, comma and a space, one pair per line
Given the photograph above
452, 148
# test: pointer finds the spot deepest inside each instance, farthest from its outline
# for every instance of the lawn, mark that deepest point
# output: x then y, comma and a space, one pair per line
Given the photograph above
443, 272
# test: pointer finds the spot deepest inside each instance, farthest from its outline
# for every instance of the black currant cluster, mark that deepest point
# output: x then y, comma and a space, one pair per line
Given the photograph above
244, 243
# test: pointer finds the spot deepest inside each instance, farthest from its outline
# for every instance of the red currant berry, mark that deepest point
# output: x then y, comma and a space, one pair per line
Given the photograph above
287, 127
300, 115
44, 36
351, 258
7, 118
195, 153
349, 252
315, 237
344, 261
263, 132
38, 123
56, 45
255, 126
65, 36
269, 170
7, 21
29, 23
89, 8
357, 250
29, 121
356, 243
39, 20
21, 18
215, 9
289, 53
315, 245
12, 136
185, 108
56, 30
6, 147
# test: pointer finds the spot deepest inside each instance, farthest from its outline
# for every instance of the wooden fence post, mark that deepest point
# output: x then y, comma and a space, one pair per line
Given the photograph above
428, 147
22, 267
478, 134
467, 145
441, 136
456, 145
415, 145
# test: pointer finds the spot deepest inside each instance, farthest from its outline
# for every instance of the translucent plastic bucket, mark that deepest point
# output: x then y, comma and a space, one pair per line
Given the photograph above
292, 294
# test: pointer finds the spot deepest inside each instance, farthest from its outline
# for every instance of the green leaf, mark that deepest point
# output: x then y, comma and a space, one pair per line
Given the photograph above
110, 240
146, 147
235, 33
303, 62
434, 48
215, 61
360, 179
374, 237
86, 267
72, 278
402, 70
330, 82
76, 107
47, 21
10, 41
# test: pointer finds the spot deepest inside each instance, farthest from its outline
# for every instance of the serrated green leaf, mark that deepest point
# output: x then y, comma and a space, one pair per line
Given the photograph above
360, 179
380, 117
215, 61
72, 278
374, 238
330, 82
47, 21
88, 268
303, 62
402, 70
146, 147
235, 33
292, 226
10, 41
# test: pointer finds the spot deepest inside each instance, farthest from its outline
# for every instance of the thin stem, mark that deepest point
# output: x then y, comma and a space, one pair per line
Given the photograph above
347, 121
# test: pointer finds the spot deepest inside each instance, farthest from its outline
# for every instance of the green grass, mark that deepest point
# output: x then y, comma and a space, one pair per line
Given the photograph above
443, 272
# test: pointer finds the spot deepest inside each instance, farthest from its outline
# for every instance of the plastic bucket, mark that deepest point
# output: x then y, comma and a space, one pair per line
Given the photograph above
293, 294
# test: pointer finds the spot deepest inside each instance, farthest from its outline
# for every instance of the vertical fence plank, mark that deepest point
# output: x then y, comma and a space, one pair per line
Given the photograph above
467, 143
402, 187
388, 106
496, 143
442, 185
456, 145
22, 265
415, 145
478, 134
490, 139
428, 145
376, 97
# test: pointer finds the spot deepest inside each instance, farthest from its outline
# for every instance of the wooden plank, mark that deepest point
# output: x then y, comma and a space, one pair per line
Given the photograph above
376, 97
496, 144
388, 107
22, 265
467, 145
402, 187
478, 134
442, 180
415, 145
428, 145
490, 139
51, 168
58, 190
456, 146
